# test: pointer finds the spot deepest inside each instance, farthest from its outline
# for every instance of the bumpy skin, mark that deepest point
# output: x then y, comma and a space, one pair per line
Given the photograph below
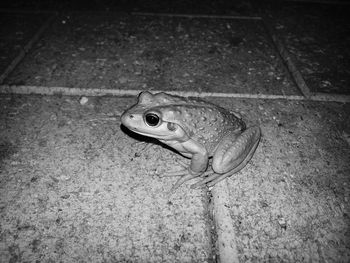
198, 130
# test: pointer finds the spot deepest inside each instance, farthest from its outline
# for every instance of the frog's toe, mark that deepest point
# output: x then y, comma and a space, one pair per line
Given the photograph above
218, 179
211, 176
182, 163
181, 181
175, 173
181, 172
142, 146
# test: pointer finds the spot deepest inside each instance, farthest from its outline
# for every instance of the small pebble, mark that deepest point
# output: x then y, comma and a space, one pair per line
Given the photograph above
83, 100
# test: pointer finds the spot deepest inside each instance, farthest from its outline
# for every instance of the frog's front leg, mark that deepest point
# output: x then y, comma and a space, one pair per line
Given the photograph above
199, 162
232, 154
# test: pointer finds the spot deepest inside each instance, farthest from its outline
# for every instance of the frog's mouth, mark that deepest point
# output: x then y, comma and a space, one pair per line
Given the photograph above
157, 136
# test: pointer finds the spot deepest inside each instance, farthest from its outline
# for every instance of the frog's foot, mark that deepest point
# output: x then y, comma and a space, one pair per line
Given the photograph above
184, 172
182, 163
181, 172
184, 179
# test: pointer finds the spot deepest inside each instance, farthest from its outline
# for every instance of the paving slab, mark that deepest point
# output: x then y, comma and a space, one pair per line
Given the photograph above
291, 204
317, 36
16, 30
115, 51
77, 187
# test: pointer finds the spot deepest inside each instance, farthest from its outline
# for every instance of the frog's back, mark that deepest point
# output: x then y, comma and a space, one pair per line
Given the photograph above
195, 111
204, 122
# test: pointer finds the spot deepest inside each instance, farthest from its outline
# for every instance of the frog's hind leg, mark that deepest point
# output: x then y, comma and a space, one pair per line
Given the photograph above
232, 156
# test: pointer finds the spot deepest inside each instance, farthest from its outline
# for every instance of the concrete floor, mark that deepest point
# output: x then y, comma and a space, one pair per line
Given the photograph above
76, 187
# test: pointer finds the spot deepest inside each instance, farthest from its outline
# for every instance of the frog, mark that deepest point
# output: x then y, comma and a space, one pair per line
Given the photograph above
216, 140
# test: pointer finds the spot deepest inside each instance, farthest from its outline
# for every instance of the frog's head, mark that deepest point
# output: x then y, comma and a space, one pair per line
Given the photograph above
149, 117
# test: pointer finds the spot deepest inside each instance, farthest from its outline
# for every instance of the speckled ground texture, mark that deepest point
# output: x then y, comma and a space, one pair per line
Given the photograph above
318, 38
15, 32
161, 53
72, 188
75, 187
291, 204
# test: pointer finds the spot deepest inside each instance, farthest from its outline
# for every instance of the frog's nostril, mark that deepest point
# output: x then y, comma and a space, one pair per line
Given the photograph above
131, 116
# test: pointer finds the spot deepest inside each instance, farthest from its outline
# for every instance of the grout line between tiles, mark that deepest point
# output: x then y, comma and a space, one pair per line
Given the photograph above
197, 16
23, 11
287, 59
43, 90
325, 2
226, 241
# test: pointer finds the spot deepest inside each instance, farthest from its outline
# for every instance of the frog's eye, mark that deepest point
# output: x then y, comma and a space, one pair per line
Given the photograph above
152, 119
